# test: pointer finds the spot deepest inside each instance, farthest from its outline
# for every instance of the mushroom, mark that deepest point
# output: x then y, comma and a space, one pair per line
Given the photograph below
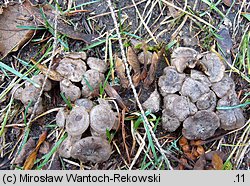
200, 126
66, 146
183, 107
86, 103
70, 90
184, 57
72, 69
39, 79
178, 106
213, 67
102, 118
153, 102
91, 149
222, 87
230, 118
193, 89
61, 117
97, 64
201, 77
148, 57
169, 123
207, 101
17, 91
29, 94
171, 81
91, 81
77, 121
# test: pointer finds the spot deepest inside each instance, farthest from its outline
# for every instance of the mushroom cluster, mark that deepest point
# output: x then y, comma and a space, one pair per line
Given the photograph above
194, 88
29, 94
73, 69
84, 115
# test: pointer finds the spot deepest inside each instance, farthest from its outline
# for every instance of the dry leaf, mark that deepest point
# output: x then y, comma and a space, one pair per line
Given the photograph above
29, 163
120, 70
133, 60
196, 142
112, 93
217, 162
185, 148
183, 141
183, 162
200, 150
26, 150
152, 70
53, 75
200, 163
11, 37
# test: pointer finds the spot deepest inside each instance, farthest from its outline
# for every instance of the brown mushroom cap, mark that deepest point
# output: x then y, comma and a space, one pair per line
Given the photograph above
91, 80
230, 118
64, 149
39, 79
72, 69
77, 121
184, 57
70, 90
169, 123
200, 126
201, 77
61, 117
17, 91
213, 67
102, 118
86, 103
29, 93
171, 81
179, 107
222, 87
207, 101
193, 89
149, 57
97, 64
153, 102
93, 149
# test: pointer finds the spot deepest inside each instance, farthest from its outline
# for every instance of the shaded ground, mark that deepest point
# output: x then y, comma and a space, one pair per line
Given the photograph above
221, 27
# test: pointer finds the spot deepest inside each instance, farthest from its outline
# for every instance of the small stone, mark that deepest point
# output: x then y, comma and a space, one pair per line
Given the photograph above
97, 64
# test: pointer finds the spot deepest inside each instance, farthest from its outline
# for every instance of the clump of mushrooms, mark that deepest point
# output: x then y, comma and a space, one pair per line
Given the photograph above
195, 90
30, 93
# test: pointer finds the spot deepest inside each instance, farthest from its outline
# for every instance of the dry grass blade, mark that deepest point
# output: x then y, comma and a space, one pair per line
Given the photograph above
124, 136
120, 71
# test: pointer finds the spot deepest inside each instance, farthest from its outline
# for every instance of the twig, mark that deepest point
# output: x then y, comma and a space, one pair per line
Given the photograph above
132, 85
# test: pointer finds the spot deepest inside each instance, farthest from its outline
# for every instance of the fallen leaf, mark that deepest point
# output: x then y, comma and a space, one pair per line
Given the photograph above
209, 155
26, 150
29, 162
217, 162
135, 64
12, 37
200, 150
53, 75
186, 148
183, 141
200, 163
112, 93
196, 142
225, 44
152, 70
120, 70
183, 161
